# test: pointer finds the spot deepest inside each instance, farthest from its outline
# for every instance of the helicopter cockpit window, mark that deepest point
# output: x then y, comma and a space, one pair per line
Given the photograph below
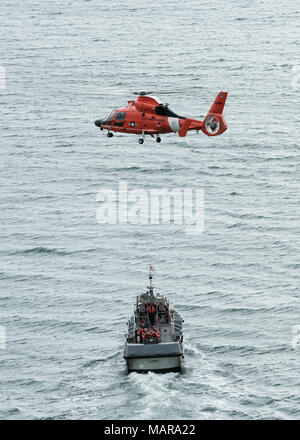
110, 118
120, 116
119, 119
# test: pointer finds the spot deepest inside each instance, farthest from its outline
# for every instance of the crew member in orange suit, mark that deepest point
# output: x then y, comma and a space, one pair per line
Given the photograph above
142, 332
151, 312
154, 332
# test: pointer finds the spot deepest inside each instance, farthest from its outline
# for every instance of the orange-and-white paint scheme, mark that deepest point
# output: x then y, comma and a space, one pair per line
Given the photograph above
148, 116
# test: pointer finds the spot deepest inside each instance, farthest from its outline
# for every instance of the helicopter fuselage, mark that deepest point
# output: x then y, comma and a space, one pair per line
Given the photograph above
148, 116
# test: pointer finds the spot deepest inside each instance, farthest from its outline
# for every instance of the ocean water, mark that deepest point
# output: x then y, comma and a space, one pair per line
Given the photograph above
68, 283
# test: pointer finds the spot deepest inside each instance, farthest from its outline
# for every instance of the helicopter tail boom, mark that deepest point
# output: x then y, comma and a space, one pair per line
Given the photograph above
213, 124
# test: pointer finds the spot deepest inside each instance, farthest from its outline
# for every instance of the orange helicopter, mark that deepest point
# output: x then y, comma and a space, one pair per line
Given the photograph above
147, 115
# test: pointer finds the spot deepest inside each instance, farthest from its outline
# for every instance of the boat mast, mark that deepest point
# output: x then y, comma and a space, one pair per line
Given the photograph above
150, 277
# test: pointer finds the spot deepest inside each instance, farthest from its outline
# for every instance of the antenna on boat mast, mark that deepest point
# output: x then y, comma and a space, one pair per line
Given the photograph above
151, 276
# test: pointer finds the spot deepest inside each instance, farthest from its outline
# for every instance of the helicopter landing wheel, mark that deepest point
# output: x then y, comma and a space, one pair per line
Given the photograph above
141, 141
158, 139
109, 135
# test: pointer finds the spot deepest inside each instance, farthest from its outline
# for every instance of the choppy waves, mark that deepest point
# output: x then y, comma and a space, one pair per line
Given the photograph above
68, 284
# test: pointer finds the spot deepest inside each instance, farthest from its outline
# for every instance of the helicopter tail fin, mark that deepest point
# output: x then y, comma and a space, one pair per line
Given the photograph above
219, 103
214, 122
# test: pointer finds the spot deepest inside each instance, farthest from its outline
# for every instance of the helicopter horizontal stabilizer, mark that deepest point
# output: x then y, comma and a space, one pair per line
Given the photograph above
185, 127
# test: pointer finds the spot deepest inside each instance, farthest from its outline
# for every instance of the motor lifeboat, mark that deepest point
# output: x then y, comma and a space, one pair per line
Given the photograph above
154, 341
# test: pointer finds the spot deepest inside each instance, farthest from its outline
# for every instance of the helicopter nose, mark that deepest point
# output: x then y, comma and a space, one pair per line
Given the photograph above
98, 122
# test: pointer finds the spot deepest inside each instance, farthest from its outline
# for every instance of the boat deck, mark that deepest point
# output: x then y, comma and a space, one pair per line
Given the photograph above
165, 333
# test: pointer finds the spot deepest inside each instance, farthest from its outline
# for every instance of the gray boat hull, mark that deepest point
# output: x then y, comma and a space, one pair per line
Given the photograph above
156, 365
159, 358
